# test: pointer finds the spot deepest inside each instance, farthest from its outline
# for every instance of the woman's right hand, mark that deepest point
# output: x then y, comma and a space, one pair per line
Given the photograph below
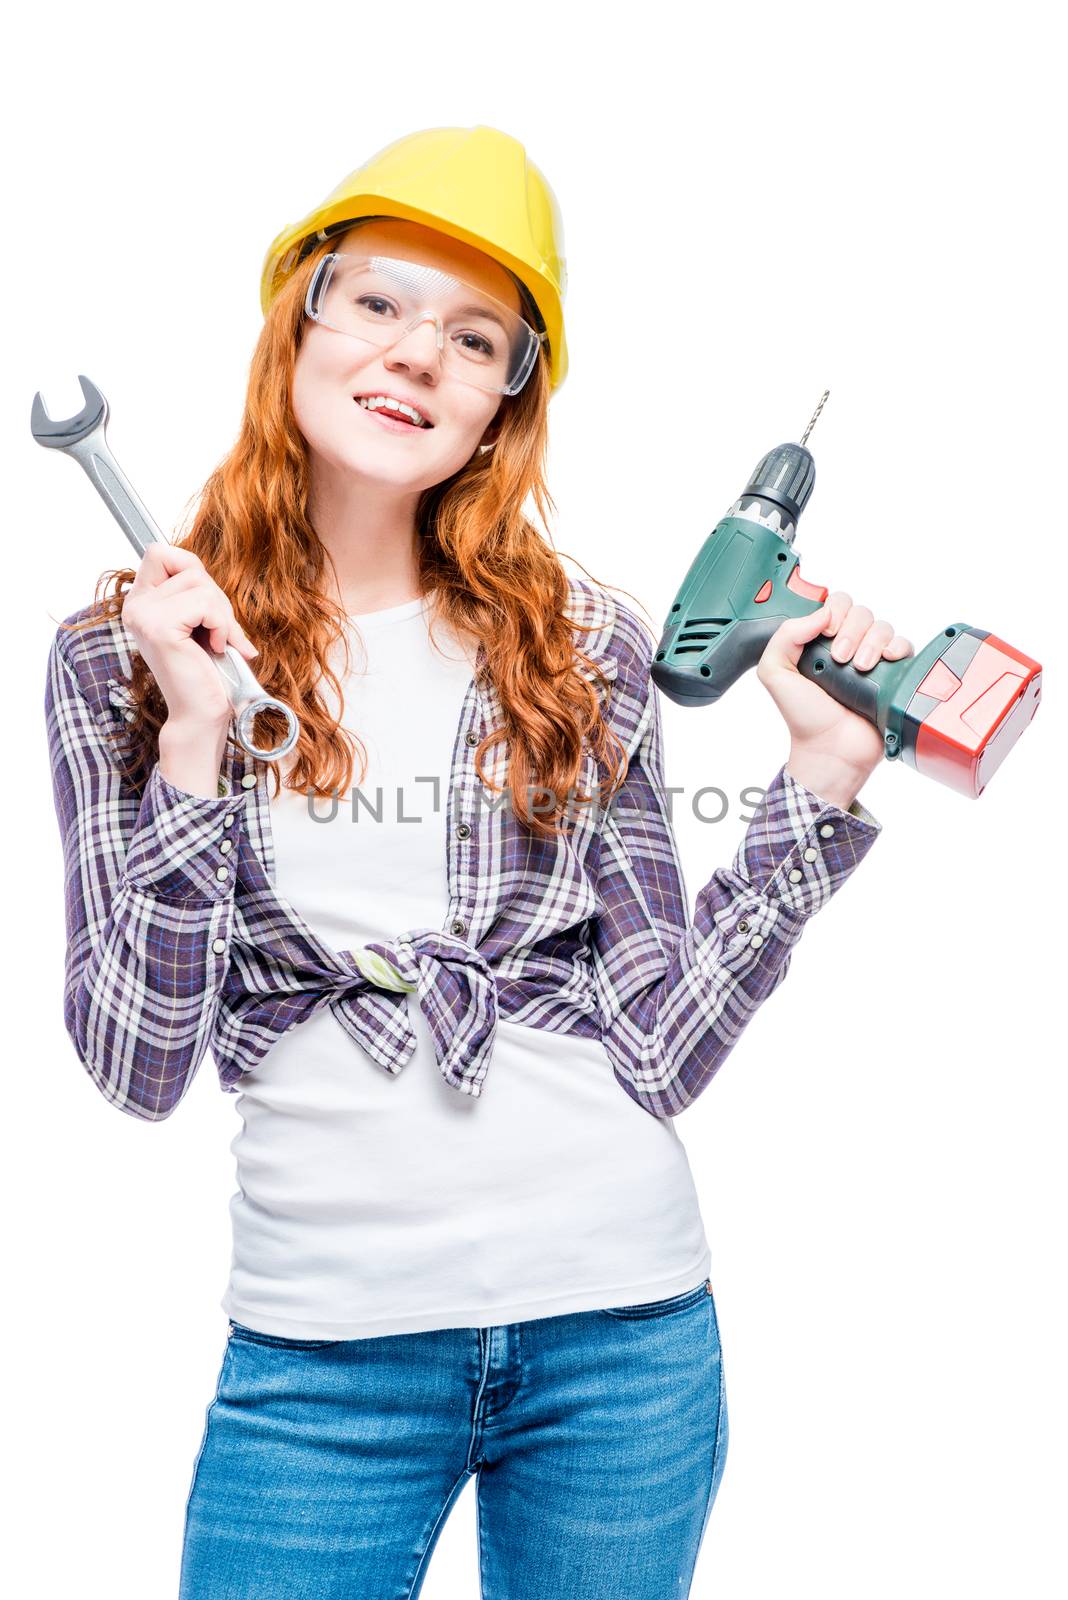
172, 595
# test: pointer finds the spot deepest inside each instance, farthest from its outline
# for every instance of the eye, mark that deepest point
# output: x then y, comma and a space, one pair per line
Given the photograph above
372, 300
486, 346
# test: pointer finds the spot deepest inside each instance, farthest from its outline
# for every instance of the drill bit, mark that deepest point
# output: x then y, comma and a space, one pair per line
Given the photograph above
815, 414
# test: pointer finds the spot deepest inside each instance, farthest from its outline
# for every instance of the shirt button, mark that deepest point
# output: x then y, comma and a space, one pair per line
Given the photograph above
795, 876
248, 781
470, 738
756, 941
227, 844
228, 822
219, 946
743, 927
222, 874
810, 854
827, 830
459, 926
463, 830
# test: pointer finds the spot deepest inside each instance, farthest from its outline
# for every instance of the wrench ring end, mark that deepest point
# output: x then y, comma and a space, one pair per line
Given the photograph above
246, 724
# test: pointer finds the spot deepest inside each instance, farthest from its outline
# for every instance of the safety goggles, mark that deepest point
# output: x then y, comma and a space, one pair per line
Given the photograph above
380, 300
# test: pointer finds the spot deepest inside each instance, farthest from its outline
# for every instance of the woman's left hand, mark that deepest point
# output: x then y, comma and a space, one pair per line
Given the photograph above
820, 728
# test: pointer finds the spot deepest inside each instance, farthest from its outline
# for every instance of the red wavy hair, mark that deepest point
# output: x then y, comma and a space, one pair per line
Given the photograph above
495, 576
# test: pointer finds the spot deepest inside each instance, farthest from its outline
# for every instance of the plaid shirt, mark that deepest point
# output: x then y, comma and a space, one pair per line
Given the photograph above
177, 940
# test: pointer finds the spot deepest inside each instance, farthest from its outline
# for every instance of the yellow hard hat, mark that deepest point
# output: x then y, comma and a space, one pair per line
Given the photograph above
476, 184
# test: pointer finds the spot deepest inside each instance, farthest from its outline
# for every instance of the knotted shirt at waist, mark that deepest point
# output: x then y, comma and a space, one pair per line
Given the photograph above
454, 986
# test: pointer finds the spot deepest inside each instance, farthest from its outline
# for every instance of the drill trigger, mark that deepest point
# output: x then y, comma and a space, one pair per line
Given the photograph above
807, 591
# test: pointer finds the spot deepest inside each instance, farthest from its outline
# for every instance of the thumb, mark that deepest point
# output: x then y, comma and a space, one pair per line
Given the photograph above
243, 642
790, 638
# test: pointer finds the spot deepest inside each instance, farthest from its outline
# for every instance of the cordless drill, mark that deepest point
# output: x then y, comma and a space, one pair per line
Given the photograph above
953, 711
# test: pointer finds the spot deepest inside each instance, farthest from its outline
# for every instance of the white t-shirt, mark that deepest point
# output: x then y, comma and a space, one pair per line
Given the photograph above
370, 1203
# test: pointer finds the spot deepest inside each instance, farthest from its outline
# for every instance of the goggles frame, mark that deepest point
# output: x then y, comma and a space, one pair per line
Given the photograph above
326, 267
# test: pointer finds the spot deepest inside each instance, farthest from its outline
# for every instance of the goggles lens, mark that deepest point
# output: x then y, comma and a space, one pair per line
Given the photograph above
381, 300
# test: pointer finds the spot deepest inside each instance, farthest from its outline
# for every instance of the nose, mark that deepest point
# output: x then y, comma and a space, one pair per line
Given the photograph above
419, 347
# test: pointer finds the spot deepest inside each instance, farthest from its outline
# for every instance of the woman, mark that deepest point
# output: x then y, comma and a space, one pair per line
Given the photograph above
441, 1267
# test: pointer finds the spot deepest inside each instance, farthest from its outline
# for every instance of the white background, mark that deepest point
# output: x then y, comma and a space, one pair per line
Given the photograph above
759, 203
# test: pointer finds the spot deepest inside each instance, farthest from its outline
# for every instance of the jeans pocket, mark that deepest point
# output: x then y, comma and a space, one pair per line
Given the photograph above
254, 1336
660, 1308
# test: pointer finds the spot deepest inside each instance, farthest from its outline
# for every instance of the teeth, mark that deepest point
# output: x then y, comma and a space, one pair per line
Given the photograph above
379, 402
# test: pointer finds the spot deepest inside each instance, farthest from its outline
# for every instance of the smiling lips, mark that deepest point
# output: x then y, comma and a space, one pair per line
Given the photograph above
396, 424
396, 410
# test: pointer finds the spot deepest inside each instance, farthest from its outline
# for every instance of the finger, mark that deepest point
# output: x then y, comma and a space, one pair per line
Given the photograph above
855, 624
898, 648
178, 583
838, 603
226, 629
216, 611
153, 611
871, 645
218, 621
176, 604
160, 562
784, 647
233, 633
193, 607
200, 601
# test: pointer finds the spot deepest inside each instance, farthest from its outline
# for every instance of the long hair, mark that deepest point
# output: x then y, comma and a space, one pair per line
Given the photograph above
495, 576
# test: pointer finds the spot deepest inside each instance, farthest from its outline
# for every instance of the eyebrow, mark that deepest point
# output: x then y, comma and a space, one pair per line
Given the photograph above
484, 311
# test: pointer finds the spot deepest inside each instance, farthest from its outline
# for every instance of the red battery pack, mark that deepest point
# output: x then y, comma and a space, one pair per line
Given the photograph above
970, 709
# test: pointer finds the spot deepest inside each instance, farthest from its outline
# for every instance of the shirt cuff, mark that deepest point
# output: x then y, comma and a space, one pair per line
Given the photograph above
185, 846
799, 849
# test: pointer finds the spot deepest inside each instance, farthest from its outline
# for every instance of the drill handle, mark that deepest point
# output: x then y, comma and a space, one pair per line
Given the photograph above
866, 693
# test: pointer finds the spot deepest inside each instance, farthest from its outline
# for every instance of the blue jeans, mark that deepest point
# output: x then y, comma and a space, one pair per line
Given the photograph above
597, 1441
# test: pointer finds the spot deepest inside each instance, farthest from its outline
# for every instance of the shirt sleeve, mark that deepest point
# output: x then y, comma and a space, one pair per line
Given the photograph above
675, 993
149, 896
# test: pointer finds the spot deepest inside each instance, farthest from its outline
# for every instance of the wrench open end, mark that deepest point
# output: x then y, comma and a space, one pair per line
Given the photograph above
60, 434
84, 437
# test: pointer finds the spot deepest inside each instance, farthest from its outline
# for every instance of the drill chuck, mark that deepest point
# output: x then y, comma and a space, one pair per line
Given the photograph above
784, 480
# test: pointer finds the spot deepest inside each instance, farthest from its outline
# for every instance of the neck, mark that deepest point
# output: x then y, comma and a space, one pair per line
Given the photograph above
369, 532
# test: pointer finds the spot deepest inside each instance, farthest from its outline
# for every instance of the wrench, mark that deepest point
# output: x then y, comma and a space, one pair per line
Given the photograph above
83, 437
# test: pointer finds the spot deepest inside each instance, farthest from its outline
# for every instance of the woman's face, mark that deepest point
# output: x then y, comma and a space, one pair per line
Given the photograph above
331, 368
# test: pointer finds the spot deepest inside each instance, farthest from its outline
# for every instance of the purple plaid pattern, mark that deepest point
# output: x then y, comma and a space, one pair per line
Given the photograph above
177, 941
